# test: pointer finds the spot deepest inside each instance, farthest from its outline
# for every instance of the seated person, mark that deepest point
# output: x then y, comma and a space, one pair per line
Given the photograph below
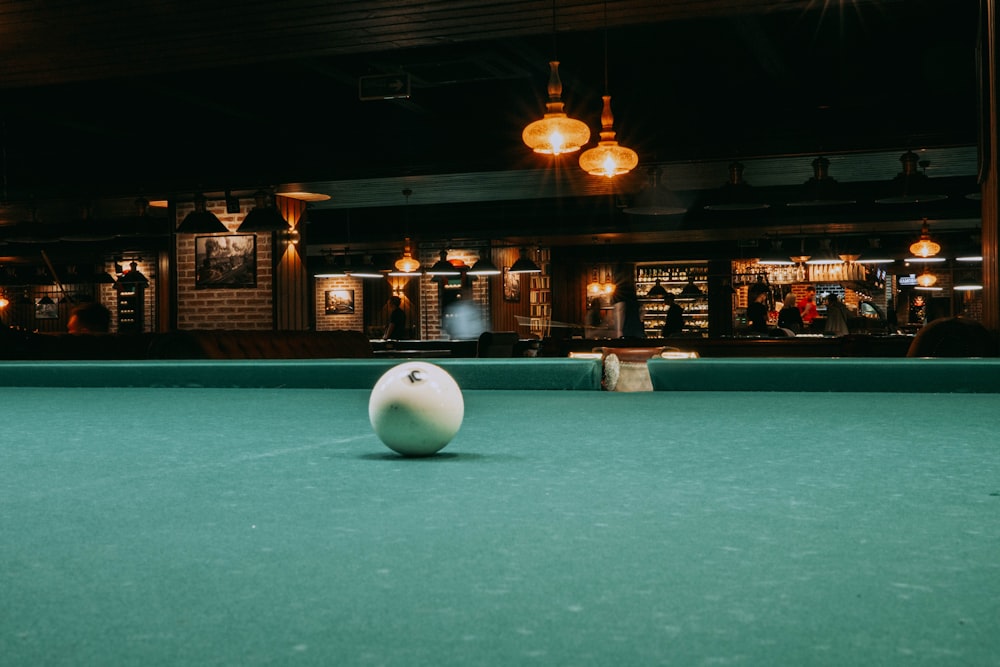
89, 318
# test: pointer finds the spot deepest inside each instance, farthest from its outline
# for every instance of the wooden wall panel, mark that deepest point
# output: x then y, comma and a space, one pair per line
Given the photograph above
292, 303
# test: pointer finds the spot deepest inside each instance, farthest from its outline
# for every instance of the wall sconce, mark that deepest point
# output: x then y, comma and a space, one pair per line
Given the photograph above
290, 237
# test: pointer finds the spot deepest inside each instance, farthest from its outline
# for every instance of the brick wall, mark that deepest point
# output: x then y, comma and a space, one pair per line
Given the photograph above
429, 326
329, 321
230, 308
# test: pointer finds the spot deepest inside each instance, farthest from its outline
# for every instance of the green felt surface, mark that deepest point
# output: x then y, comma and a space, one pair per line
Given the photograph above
971, 375
257, 527
472, 374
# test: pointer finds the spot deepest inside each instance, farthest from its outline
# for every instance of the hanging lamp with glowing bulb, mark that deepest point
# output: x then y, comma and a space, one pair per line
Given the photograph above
925, 247
608, 158
926, 279
555, 133
407, 263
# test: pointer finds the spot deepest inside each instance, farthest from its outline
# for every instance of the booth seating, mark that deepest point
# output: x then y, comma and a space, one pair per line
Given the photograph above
953, 337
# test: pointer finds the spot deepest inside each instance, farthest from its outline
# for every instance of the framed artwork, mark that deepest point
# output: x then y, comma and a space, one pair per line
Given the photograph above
511, 285
46, 309
225, 262
339, 302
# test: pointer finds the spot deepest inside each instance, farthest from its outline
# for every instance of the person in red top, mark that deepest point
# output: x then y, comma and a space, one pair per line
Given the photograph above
807, 307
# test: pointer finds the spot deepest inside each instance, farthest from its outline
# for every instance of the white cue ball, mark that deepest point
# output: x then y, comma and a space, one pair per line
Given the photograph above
416, 408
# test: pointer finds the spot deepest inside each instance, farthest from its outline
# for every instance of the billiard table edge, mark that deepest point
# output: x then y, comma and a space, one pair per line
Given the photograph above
471, 374
908, 375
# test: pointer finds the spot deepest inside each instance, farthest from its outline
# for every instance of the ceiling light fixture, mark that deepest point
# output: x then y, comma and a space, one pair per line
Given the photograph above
555, 133
911, 186
774, 256
925, 247
263, 217
407, 264
822, 189
201, 220
524, 264
736, 194
926, 279
874, 254
656, 198
484, 266
825, 255
443, 267
608, 158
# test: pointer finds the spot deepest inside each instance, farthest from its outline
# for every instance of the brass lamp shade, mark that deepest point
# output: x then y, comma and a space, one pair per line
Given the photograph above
555, 133
608, 158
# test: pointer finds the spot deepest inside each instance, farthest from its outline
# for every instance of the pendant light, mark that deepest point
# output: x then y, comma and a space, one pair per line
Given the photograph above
484, 266
201, 220
132, 277
925, 246
524, 264
822, 189
874, 254
263, 217
926, 279
555, 133
608, 158
657, 291
774, 256
825, 256
911, 186
407, 264
656, 198
443, 267
735, 194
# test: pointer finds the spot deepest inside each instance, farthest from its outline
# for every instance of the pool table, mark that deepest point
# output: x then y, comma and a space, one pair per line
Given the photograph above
167, 522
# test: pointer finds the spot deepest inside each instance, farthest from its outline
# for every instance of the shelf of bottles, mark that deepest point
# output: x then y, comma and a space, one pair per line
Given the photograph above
687, 281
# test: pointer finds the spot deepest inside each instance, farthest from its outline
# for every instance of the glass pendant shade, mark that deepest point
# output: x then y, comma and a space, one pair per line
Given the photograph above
555, 133
608, 158
925, 247
926, 279
407, 263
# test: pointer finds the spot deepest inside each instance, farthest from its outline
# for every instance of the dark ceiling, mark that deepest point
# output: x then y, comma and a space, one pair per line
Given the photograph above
164, 97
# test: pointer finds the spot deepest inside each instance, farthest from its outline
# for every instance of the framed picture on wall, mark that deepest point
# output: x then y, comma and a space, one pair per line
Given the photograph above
223, 262
339, 302
46, 308
511, 285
